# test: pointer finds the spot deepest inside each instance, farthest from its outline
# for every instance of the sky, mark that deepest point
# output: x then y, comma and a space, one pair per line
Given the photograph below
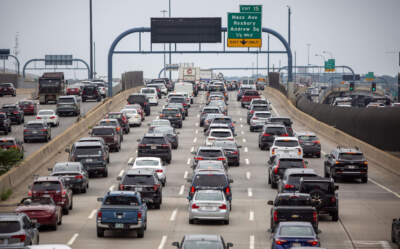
362, 34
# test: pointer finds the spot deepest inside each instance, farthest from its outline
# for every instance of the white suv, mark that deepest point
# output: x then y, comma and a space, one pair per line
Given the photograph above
286, 147
151, 93
219, 134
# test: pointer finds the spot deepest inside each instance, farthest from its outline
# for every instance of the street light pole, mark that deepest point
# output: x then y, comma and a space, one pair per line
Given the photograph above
308, 53
289, 14
91, 39
268, 55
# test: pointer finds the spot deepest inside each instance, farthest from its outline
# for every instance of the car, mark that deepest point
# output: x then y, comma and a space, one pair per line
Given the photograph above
209, 118
133, 116
49, 116
68, 105
247, 96
286, 146
142, 100
293, 207
74, 90
221, 104
169, 132
346, 162
94, 139
112, 122
143, 181
231, 150
181, 100
138, 108
160, 122
209, 205
55, 187
92, 155
260, 101
173, 115
179, 106
219, 134
122, 119
215, 126
41, 210
110, 135
291, 234
37, 130
102, 86
121, 211
155, 144
225, 120
206, 110
290, 181
5, 123
29, 107
287, 122
210, 165
257, 121
17, 230
256, 107
159, 85
260, 85
75, 175
201, 241
7, 143
7, 89
14, 113
91, 92
323, 192
241, 91
396, 232
151, 93
153, 163
310, 143
268, 134
277, 166
209, 153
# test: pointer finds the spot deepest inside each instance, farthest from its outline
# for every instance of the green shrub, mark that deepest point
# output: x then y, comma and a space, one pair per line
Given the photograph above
8, 158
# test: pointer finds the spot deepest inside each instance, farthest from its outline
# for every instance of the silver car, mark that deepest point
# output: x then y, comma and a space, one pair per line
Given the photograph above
209, 205
257, 121
17, 230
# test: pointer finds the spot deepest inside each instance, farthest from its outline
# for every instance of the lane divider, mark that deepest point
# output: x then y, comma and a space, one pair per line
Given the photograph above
72, 240
247, 161
121, 173
112, 187
248, 175
185, 175
251, 215
181, 190
195, 140
246, 149
244, 140
251, 246
385, 188
130, 160
173, 215
163, 241
188, 161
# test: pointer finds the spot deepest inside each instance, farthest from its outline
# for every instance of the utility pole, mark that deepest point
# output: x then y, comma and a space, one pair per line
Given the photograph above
91, 39
289, 14
94, 61
164, 11
16, 49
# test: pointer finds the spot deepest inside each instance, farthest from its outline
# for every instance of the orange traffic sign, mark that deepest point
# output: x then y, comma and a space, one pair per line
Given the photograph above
256, 43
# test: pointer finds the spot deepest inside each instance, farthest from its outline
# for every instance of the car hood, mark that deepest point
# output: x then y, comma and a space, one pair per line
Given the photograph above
35, 208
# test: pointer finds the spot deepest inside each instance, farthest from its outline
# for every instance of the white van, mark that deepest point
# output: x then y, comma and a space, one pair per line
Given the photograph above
151, 93
185, 87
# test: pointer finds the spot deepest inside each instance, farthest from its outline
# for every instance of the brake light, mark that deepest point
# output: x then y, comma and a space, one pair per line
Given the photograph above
121, 187
223, 207
252, 111
228, 191
79, 177
15, 112
285, 135
235, 152
52, 117
178, 115
64, 193
314, 216
280, 242
312, 242
289, 186
231, 138
165, 145
142, 145
221, 159
162, 115
337, 162
139, 215
199, 158
118, 128
299, 151
317, 142
20, 237
304, 165
365, 162
38, 118
255, 118
159, 171
333, 199
184, 104
99, 214
266, 135
29, 193
156, 186
194, 206
273, 151
192, 189
211, 138
275, 215
43, 130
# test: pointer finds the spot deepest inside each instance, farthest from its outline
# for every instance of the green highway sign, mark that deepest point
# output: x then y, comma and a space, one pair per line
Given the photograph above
244, 29
330, 65
369, 76
251, 8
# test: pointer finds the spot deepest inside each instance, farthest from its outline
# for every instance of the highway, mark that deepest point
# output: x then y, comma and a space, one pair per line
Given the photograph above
366, 210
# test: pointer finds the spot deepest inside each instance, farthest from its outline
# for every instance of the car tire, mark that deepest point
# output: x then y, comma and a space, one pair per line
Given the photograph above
83, 190
226, 222
140, 232
332, 176
105, 174
364, 179
335, 216
6, 132
157, 205
9, 129
72, 205
191, 221
54, 227
65, 211
60, 220
274, 185
100, 232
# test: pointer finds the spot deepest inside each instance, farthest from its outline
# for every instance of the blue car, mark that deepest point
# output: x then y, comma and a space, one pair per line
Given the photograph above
294, 234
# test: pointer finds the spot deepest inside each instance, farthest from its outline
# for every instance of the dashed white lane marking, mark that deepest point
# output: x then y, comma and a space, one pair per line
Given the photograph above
112, 188
163, 241
130, 160
198, 115
241, 126
197, 131
192, 149
323, 152
385, 188
121, 173
251, 246
91, 215
188, 161
249, 192
240, 119
197, 124
247, 161
244, 140
251, 215
195, 140
72, 240
248, 175
246, 149
185, 175
173, 215
181, 190
242, 132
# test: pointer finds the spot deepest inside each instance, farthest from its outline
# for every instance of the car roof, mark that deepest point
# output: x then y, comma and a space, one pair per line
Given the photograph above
36, 122
139, 171
292, 171
148, 158
47, 178
103, 127
213, 237
89, 144
288, 195
119, 193
209, 148
305, 133
153, 135
286, 139
226, 129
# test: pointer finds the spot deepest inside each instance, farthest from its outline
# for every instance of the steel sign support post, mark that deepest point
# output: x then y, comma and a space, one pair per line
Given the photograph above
36, 60
91, 40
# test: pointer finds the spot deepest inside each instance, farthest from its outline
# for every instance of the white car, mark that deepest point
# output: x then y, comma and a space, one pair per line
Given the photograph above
219, 134
151, 93
49, 116
286, 147
163, 88
160, 122
154, 163
134, 118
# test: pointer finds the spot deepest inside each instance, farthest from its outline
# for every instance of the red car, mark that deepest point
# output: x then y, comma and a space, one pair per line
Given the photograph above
74, 90
41, 210
248, 95
29, 107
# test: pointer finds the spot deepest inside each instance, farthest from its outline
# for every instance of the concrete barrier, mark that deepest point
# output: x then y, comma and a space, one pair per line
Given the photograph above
373, 154
26, 169
29, 91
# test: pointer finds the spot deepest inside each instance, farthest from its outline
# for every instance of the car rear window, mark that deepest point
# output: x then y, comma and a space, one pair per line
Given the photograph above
212, 196
260, 108
210, 153
285, 121
296, 231
220, 134
148, 91
351, 156
213, 110
35, 126
292, 201
310, 186
88, 150
66, 100
211, 166
289, 143
121, 200
138, 180
295, 178
147, 162
251, 93
6, 142
46, 113
9, 226
308, 138
103, 132
46, 186
9, 107
291, 163
136, 99
177, 100
3, 116
263, 115
153, 140
202, 244
108, 123
222, 121
25, 103
275, 130
170, 111
210, 180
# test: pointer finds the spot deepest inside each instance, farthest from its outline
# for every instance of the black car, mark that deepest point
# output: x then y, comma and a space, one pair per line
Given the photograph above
344, 162
277, 166
5, 123
74, 174
396, 232
169, 132
179, 106
37, 130
145, 182
155, 145
323, 194
142, 100
7, 89
14, 113
206, 110
173, 115
209, 153
269, 132
231, 150
290, 181
287, 122
254, 108
91, 92
310, 144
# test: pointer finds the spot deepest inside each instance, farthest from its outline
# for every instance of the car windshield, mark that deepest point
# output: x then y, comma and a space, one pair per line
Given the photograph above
211, 110
290, 163
46, 186
292, 201
35, 126
177, 100
220, 134
324, 186
147, 90
138, 180
306, 138
276, 130
103, 132
222, 121
210, 180
263, 115
65, 100
288, 143
208, 165
129, 111
351, 156
296, 231
9, 107
295, 178
147, 162
153, 140
46, 113
285, 121
88, 150
210, 153
209, 196
121, 200
9, 226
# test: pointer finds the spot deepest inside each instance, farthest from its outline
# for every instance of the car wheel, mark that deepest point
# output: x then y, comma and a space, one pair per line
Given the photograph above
364, 179
83, 190
140, 232
105, 174
59, 220
226, 222
65, 211
6, 132
100, 232
157, 205
335, 216
54, 227
72, 205
191, 221
9, 129
274, 184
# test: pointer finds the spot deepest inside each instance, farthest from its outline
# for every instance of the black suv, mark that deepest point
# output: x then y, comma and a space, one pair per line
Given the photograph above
346, 162
169, 132
277, 166
91, 92
144, 181
5, 123
287, 122
323, 194
310, 143
269, 132
155, 145
14, 113
7, 89
142, 100
173, 115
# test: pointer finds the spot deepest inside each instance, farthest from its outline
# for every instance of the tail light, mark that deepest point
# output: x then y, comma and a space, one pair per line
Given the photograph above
333, 199
178, 115
289, 186
142, 145
118, 128
121, 187
38, 118
231, 138
337, 162
192, 189
99, 214
312, 242
156, 186
223, 207
162, 115
235, 152
365, 162
280, 241
221, 159
317, 142
275, 215
184, 104
79, 177
199, 158
52, 117
285, 135
159, 171
228, 191
252, 111
15, 112
139, 215
255, 118
273, 151
29, 193
20, 237
299, 151
64, 193
314, 216
211, 138
43, 130
194, 206
266, 135
145, 103
165, 145
304, 165
13, 146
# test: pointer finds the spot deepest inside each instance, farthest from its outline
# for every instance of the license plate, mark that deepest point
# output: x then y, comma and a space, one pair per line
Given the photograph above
308, 144
296, 244
286, 151
119, 225
34, 220
295, 216
351, 167
153, 147
34, 132
208, 208
139, 189
89, 160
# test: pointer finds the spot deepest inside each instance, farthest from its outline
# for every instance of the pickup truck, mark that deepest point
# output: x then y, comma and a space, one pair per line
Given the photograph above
293, 207
248, 95
122, 211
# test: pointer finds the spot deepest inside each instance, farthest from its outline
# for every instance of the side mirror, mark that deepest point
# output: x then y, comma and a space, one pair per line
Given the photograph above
319, 231
138, 140
238, 146
100, 199
229, 244
230, 180
68, 150
175, 244
36, 225
49, 169
336, 187
177, 133
193, 152
148, 124
89, 133
306, 162
119, 178
270, 202
29, 187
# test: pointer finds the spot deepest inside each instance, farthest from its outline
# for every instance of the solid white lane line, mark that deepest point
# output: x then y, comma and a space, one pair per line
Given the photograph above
247, 161
192, 149
249, 192
163, 241
181, 190
185, 175
251, 215
251, 246
112, 188
248, 175
240, 119
195, 140
242, 132
244, 140
91, 215
385, 188
72, 240
130, 160
121, 173
385, 244
246, 149
173, 215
